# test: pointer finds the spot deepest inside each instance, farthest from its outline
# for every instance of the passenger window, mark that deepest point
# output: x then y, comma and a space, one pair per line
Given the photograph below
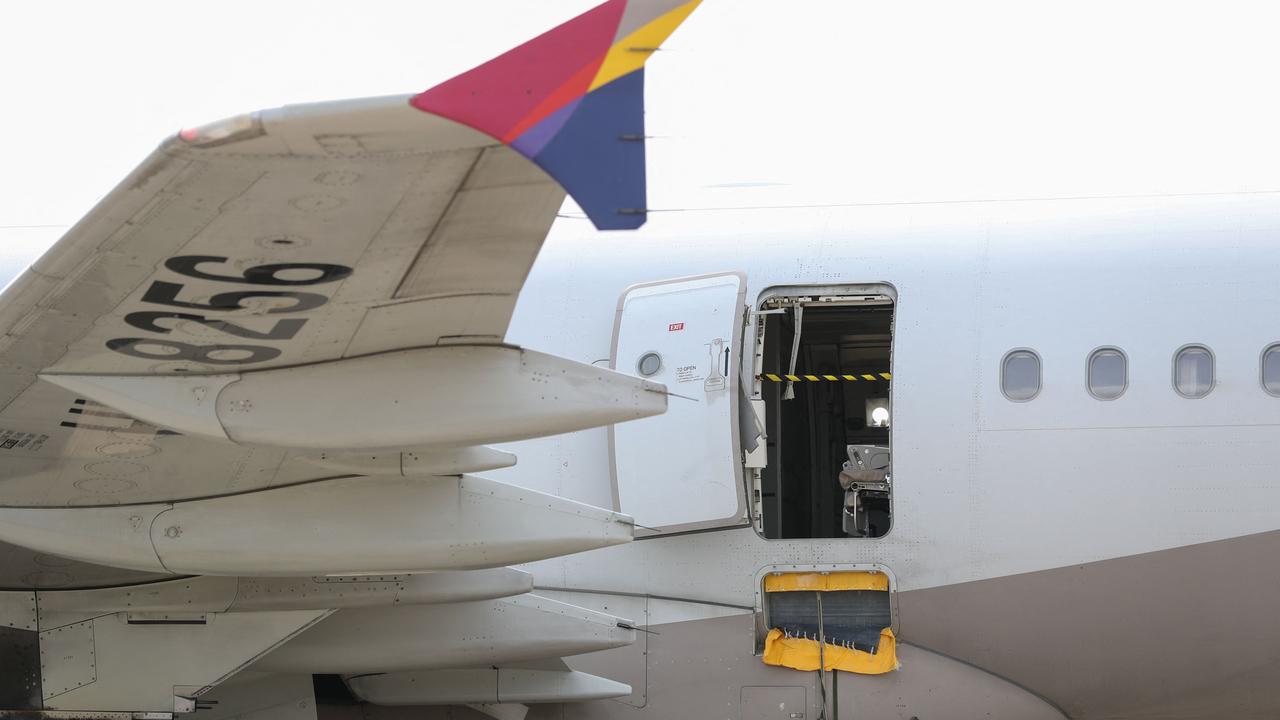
1108, 373
1193, 371
1271, 370
1020, 375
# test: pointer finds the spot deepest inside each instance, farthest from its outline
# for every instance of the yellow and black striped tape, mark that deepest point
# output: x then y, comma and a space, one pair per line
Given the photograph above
868, 377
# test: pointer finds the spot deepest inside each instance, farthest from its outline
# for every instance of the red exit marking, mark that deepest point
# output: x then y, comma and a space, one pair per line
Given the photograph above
675, 326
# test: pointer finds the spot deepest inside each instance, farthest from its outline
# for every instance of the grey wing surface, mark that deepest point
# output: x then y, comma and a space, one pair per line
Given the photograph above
289, 237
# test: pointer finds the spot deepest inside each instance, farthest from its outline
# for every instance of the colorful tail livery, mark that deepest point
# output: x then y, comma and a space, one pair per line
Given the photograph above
572, 101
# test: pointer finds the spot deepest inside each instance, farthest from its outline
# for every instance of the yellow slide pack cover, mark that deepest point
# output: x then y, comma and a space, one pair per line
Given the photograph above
802, 654
805, 654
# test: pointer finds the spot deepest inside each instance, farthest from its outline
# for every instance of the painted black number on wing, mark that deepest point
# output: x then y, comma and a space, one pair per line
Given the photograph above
259, 274
166, 293
210, 355
284, 329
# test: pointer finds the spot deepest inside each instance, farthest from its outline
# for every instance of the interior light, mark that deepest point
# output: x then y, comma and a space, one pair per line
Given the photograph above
878, 412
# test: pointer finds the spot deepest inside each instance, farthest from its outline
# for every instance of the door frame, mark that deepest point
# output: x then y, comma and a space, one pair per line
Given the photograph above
751, 348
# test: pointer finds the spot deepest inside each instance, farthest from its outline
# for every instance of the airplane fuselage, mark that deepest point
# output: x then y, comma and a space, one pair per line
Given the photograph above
1105, 557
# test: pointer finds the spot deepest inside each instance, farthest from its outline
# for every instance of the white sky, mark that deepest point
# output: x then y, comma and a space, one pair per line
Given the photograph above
804, 101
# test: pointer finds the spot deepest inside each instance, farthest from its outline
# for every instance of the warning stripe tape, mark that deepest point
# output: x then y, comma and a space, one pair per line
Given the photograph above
869, 377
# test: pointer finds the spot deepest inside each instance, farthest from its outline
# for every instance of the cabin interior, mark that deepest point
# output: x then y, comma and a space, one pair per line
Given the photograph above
825, 381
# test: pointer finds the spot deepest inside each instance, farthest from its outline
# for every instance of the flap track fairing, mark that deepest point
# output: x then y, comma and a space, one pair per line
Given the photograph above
350, 526
430, 397
484, 685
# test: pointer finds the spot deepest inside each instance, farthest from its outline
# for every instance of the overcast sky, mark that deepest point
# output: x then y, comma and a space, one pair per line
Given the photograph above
754, 101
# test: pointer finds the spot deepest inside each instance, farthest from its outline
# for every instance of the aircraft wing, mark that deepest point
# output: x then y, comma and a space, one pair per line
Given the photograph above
322, 239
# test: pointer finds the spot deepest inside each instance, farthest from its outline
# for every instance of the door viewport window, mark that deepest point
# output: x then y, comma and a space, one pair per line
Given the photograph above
823, 374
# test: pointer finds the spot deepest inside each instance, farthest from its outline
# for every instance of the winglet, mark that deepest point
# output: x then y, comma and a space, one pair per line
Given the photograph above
572, 101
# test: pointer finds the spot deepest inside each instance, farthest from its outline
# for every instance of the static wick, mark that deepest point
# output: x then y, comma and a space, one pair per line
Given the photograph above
686, 397
629, 626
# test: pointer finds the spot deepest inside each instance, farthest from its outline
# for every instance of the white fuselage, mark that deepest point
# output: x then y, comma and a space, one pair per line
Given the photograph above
984, 487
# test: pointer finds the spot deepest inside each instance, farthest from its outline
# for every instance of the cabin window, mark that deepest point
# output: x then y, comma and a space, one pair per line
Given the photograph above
1193, 371
1108, 373
1020, 375
824, 384
1271, 369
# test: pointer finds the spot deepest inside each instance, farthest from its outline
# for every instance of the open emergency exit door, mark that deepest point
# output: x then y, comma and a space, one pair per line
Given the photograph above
682, 470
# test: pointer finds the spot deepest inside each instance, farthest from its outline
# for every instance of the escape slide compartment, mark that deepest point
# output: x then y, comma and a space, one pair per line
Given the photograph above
828, 620
682, 470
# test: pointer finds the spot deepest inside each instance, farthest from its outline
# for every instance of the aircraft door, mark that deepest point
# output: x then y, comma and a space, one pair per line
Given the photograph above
682, 470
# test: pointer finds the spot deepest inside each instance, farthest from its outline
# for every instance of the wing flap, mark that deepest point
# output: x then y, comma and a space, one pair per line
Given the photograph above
475, 250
